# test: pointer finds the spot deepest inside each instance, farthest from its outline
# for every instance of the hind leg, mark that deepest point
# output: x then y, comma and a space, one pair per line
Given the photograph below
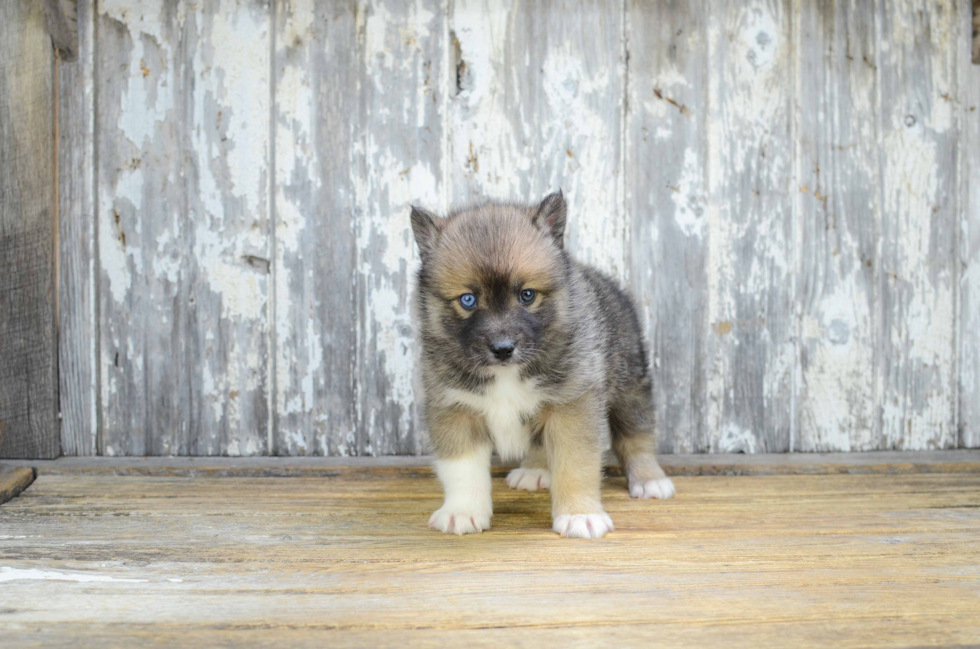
631, 429
533, 474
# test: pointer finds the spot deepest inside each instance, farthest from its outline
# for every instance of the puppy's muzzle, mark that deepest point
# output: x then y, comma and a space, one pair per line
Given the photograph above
502, 349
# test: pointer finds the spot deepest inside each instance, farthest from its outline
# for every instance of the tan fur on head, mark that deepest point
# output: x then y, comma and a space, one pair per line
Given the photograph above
489, 241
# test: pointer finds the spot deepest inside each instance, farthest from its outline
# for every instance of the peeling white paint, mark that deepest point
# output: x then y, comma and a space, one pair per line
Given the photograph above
510, 139
734, 439
241, 65
839, 370
749, 158
148, 100
578, 132
492, 156
916, 390
689, 201
120, 262
396, 175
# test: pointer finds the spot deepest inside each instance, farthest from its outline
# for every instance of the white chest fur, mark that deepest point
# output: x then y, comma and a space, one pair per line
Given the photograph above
503, 404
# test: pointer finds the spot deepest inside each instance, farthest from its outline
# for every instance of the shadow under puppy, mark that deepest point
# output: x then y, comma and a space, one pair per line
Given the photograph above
528, 351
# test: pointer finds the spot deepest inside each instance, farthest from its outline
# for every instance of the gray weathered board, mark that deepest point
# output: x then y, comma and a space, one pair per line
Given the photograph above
790, 189
28, 291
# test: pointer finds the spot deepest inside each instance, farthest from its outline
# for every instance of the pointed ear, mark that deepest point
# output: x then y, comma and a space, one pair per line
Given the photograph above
426, 226
550, 217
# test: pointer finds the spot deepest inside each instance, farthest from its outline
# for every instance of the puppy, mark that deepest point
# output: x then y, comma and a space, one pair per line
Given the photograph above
531, 353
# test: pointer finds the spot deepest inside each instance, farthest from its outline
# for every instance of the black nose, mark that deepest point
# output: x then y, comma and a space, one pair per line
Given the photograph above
502, 349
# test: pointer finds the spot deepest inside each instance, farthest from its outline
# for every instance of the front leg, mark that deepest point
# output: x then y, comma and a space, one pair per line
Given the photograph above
572, 435
463, 467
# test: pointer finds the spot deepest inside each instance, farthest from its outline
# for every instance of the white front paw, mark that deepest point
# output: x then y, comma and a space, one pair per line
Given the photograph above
662, 488
529, 479
456, 520
583, 526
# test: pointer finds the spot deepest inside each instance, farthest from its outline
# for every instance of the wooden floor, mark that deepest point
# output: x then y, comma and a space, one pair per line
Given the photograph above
91, 559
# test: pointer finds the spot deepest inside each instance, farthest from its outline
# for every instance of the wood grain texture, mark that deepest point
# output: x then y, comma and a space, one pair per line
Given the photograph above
666, 194
838, 214
226, 74
769, 561
14, 480
78, 316
746, 169
916, 383
316, 86
365, 80
969, 219
399, 161
183, 226
538, 106
28, 288
751, 252
61, 18
143, 332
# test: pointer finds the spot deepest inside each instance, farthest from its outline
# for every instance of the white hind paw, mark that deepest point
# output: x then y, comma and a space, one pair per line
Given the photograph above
529, 479
583, 526
662, 488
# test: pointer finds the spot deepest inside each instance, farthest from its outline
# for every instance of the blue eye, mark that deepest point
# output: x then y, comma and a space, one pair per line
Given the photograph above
528, 295
468, 300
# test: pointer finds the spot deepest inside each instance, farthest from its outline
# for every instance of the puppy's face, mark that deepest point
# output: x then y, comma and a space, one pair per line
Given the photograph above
493, 280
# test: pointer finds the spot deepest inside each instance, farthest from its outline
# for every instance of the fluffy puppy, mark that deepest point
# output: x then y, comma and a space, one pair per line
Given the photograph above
531, 353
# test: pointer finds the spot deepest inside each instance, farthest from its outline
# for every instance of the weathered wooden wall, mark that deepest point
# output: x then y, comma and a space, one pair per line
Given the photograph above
28, 290
791, 188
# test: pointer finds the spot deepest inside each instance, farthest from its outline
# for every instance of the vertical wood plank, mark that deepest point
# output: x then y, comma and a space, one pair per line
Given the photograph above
183, 226
491, 137
399, 159
917, 274
537, 106
78, 333
227, 76
969, 284
837, 207
751, 258
574, 63
28, 289
666, 195
139, 194
315, 131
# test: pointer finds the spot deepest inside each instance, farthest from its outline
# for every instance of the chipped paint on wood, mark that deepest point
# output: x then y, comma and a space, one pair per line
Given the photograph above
793, 267
182, 212
398, 159
315, 134
489, 136
132, 131
577, 74
838, 208
667, 203
968, 109
750, 266
917, 274
537, 106
228, 226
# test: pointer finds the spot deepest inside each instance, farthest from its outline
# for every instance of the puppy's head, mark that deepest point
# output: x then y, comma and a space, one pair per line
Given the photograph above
493, 283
